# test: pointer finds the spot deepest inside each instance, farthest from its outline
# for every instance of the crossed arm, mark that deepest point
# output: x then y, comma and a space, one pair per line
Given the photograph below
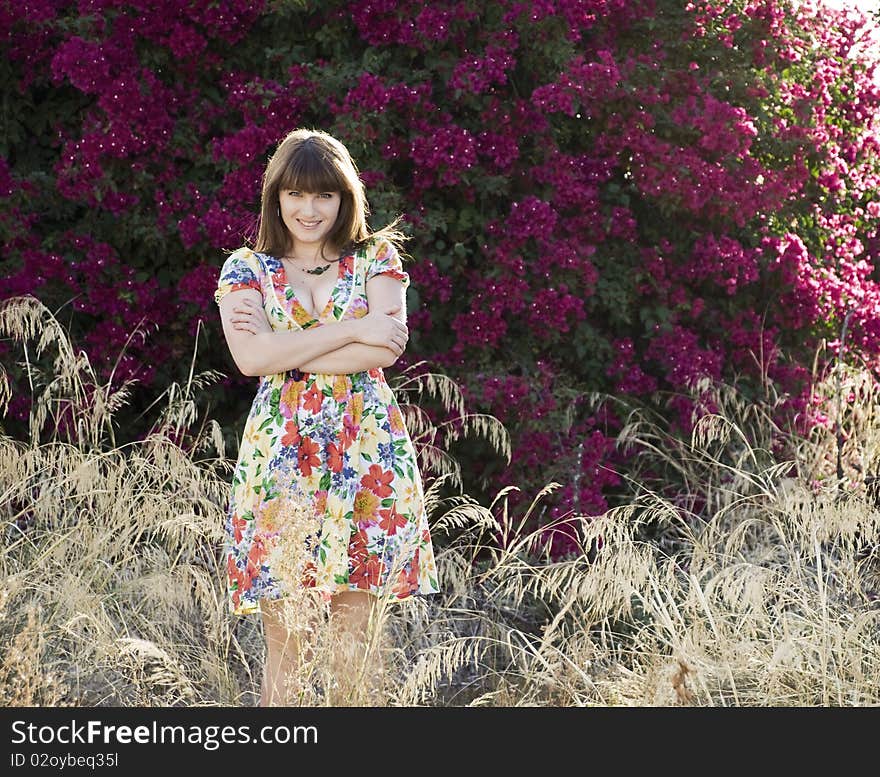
335, 347
354, 357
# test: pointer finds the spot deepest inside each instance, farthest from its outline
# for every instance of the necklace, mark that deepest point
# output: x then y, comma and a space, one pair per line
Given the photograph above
314, 270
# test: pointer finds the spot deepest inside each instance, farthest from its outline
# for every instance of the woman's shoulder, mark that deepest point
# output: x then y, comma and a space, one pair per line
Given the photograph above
244, 252
371, 242
247, 255
367, 248
246, 258
379, 246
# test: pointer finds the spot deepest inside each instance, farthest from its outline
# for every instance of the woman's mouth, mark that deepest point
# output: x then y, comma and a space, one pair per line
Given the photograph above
309, 224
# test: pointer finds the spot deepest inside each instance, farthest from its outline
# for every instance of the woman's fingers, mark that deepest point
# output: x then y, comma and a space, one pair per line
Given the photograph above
240, 313
248, 319
242, 320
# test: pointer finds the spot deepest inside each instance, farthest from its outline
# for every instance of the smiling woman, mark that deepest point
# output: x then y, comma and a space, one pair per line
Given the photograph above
325, 430
308, 217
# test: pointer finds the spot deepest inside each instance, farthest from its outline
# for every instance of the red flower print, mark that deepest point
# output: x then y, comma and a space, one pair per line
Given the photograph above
257, 552
238, 526
233, 570
246, 578
308, 575
407, 582
291, 436
255, 558
308, 456
367, 572
401, 588
357, 546
349, 432
390, 520
413, 576
377, 481
375, 567
374, 373
334, 457
313, 399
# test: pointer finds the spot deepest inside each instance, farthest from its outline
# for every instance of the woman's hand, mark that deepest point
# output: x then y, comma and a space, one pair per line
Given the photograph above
247, 317
380, 328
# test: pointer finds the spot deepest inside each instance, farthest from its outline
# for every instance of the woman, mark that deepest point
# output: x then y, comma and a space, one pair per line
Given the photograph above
317, 309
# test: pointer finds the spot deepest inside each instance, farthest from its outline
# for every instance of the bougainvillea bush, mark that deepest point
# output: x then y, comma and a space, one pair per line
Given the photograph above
617, 196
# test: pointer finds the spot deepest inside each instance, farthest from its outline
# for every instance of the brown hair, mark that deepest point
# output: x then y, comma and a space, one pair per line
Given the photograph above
311, 160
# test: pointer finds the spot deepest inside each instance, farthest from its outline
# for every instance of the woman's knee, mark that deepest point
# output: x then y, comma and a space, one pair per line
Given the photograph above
351, 599
282, 611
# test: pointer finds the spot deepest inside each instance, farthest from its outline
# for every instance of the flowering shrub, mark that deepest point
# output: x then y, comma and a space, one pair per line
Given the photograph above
612, 195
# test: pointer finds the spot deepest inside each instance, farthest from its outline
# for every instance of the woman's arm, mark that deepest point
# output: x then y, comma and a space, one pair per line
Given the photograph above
360, 343
338, 348
354, 357
259, 350
384, 293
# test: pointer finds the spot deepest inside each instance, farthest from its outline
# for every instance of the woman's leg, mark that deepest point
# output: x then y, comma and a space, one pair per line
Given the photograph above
288, 649
358, 638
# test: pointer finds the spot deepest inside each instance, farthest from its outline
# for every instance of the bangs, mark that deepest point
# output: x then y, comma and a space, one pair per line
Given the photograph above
310, 171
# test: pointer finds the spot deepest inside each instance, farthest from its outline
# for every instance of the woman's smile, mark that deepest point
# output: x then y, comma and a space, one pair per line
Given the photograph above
308, 215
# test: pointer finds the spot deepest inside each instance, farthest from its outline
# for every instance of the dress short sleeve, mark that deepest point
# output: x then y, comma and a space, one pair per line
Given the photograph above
385, 260
241, 270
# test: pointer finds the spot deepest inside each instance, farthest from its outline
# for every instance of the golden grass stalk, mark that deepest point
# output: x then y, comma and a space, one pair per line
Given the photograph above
739, 570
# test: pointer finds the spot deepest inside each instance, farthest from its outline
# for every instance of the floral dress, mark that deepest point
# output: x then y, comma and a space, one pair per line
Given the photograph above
335, 447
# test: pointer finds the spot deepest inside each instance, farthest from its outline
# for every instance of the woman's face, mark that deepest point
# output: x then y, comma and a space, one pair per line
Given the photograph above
309, 216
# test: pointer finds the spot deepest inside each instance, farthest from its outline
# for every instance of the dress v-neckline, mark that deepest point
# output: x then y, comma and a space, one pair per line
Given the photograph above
297, 301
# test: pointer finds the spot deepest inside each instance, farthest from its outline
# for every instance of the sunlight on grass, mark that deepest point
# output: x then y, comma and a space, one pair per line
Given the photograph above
734, 575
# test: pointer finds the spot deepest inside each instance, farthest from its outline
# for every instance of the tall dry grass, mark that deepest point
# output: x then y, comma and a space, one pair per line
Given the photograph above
739, 572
